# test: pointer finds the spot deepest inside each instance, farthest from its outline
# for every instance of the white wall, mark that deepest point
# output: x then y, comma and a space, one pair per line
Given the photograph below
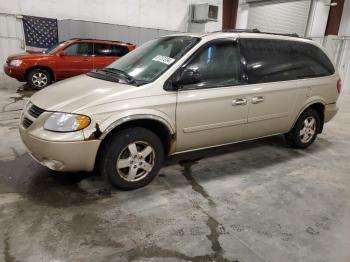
242, 15
318, 18
160, 14
344, 59
344, 28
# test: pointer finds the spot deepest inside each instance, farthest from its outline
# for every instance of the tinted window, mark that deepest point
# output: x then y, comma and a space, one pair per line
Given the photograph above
277, 60
218, 65
82, 49
110, 50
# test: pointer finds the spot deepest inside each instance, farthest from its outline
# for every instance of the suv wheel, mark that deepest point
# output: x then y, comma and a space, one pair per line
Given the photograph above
39, 78
305, 130
131, 158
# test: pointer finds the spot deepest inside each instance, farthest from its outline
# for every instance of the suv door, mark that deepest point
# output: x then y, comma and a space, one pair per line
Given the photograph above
77, 59
213, 111
273, 73
105, 54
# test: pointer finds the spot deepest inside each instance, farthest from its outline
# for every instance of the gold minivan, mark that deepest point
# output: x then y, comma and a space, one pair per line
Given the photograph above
181, 93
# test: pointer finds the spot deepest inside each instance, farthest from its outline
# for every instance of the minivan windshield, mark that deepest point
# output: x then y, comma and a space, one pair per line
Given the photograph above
153, 58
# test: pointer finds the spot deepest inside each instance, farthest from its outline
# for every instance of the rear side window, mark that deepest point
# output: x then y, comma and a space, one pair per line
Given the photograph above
110, 50
278, 60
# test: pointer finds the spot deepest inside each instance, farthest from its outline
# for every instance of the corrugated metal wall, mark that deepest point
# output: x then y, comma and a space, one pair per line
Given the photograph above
279, 16
11, 37
85, 29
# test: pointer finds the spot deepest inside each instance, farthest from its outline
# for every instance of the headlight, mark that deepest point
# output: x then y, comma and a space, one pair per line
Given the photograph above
64, 122
16, 62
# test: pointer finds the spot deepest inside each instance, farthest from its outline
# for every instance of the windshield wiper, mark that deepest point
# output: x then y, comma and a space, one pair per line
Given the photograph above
128, 77
108, 77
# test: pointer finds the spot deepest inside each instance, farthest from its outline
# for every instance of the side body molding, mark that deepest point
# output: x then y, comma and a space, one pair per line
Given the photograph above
137, 117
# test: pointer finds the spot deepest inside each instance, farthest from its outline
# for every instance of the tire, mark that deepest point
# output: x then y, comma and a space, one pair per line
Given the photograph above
39, 78
304, 132
119, 160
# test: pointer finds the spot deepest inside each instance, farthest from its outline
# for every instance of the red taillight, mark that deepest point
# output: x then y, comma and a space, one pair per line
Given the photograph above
339, 86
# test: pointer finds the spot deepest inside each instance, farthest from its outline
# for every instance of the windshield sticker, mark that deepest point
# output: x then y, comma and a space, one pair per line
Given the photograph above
164, 59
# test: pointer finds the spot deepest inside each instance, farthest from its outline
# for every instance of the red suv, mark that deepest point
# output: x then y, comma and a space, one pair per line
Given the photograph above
66, 59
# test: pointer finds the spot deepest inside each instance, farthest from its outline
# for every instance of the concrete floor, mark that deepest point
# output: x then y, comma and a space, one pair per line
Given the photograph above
254, 201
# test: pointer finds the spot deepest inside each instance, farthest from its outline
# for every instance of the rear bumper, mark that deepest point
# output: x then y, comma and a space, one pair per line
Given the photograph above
330, 111
15, 72
61, 156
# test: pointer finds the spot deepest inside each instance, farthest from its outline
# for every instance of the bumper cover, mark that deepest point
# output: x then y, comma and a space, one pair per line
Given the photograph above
330, 111
14, 72
69, 156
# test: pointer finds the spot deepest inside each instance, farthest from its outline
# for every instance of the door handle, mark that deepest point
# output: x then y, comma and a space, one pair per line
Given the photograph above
86, 59
257, 100
239, 102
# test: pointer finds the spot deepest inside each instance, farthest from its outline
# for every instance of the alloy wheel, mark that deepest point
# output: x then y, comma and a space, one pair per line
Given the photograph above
40, 80
135, 161
308, 129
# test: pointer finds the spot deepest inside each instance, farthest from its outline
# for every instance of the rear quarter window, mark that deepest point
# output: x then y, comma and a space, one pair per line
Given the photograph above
280, 60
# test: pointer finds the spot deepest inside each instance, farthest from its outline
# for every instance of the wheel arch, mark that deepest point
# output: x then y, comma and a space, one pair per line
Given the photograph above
318, 105
154, 123
52, 73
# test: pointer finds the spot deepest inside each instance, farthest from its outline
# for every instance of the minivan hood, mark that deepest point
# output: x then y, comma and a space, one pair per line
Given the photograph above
80, 92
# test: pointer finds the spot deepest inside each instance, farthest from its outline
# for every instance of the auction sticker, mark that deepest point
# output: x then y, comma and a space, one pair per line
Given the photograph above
164, 59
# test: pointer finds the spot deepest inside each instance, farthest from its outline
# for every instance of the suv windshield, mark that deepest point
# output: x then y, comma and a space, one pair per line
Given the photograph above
54, 48
153, 58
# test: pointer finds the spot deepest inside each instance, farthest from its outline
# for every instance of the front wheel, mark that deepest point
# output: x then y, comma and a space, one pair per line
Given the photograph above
305, 130
39, 78
131, 158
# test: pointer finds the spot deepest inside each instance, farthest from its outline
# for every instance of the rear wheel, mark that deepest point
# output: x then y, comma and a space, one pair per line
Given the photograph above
131, 158
39, 78
305, 130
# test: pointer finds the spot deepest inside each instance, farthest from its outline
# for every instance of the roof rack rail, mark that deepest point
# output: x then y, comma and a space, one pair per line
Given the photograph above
292, 34
77, 38
257, 31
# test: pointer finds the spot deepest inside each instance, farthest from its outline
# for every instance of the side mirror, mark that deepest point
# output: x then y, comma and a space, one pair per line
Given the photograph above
60, 53
187, 77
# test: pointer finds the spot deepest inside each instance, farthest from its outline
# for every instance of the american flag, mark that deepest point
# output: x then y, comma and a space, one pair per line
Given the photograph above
40, 32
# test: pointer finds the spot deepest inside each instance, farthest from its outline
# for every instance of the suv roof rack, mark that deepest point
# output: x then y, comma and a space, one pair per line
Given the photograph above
94, 39
257, 31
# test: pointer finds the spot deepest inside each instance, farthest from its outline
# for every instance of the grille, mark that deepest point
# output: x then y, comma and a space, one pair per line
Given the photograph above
27, 122
35, 111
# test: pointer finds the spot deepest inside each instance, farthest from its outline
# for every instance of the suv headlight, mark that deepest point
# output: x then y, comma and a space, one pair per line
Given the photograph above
65, 122
16, 62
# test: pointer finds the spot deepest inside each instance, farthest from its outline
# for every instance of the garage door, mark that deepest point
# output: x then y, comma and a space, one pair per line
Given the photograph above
279, 16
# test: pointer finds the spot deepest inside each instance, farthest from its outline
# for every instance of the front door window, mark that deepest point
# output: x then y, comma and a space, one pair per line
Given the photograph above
217, 65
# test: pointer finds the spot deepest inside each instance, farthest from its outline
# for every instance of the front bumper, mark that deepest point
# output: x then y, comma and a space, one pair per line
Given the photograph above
69, 156
14, 72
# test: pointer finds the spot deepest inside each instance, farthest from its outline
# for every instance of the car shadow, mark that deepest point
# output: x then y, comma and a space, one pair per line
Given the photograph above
46, 187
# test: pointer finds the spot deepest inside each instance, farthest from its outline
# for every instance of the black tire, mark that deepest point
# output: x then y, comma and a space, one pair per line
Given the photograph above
117, 144
294, 137
39, 78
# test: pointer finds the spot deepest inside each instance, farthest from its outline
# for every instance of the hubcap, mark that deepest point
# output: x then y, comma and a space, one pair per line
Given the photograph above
39, 79
308, 129
135, 161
